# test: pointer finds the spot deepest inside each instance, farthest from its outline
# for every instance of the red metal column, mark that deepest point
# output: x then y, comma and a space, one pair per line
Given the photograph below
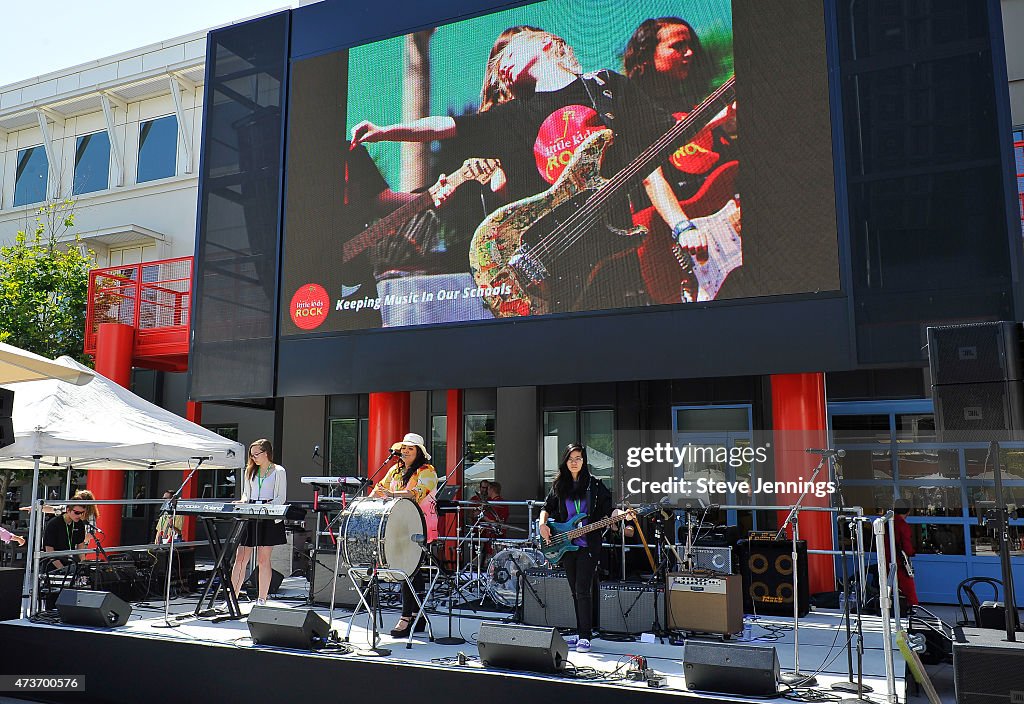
194, 413
389, 422
114, 346
798, 415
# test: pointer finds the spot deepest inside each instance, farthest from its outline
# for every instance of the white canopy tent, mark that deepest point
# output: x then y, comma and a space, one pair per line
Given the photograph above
17, 364
103, 426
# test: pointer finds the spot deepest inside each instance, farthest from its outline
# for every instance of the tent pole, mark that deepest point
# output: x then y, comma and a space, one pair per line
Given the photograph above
32, 564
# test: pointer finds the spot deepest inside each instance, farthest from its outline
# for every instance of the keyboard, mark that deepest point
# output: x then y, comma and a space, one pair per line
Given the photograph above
231, 510
348, 482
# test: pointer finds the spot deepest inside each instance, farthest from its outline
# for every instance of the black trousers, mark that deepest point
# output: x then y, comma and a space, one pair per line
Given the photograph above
581, 571
409, 607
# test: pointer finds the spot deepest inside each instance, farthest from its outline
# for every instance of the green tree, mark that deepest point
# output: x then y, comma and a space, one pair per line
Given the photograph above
44, 280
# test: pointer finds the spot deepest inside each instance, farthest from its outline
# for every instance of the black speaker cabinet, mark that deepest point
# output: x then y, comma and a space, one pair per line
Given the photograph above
11, 581
974, 353
979, 412
287, 628
346, 593
6, 411
987, 669
768, 577
630, 607
85, 608
731, 668
514, 647
547, 600
251, 583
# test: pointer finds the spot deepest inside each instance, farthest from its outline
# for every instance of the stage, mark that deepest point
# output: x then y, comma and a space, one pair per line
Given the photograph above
147, 661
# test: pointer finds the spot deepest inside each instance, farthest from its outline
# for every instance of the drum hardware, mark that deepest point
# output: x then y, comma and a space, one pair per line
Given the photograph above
504, 574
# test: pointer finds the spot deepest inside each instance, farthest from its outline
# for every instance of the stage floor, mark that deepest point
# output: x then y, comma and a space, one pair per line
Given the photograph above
822, 639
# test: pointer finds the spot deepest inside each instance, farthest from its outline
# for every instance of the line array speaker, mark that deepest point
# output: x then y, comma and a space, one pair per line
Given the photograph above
287, 628
629, 607
85, 608
515, 647
731, 668
768, 577
554, 608
703, 604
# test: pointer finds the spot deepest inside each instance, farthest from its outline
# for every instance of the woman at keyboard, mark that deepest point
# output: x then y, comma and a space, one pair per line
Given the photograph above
264, 483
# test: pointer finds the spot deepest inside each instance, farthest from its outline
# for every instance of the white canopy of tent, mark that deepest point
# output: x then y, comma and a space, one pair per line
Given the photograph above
18, 365
104, 425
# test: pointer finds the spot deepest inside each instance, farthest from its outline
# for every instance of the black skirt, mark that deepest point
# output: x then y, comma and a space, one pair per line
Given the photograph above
263, 532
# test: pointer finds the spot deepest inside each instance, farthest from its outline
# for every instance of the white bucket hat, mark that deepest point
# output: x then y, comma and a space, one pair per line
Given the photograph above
413, 439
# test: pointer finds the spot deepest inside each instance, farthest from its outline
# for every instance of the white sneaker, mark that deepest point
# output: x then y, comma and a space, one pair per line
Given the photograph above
261, 602
572, 640
583, 645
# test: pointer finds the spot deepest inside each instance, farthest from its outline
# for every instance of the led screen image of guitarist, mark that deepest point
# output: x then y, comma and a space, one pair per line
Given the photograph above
577, 492
535, 135
665, 58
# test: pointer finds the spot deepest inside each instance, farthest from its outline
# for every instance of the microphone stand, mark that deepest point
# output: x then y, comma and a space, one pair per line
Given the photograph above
456, 589
172, 506
797, 678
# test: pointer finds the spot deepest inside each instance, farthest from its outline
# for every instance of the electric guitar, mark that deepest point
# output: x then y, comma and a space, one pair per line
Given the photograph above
471, 170
562, 534
539, 254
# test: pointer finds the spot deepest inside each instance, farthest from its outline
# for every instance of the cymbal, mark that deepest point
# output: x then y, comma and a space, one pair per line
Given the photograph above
501, 526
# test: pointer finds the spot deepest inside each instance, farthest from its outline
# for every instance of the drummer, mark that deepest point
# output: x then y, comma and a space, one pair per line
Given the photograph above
412, 477
496, 514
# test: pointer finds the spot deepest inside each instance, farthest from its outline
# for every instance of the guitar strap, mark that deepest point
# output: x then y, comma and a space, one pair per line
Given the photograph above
599, 90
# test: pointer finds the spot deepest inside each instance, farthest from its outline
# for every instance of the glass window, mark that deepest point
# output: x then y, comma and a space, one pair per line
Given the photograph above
928, 464
984, 541
439, 443
92, 163
938, 538
559, 431
934, 500
980, 466
32, 174
158, 148
135, 487
219, 483
915, 427
343, 436
852, 429
865, 465
598, 436
874, 499
710, 419
479, 450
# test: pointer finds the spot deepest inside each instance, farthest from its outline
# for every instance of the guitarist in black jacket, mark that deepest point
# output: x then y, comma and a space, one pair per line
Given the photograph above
576, 491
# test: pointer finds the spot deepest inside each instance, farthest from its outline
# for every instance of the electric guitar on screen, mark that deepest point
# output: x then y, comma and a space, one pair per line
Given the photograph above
540, 253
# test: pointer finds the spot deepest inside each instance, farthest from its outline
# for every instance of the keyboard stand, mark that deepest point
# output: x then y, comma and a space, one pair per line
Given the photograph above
223, 551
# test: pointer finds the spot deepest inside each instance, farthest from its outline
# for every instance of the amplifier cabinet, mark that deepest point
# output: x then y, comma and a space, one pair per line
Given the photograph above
346, 593
702, 603
987, 669
630, 607
715, 559
547, 600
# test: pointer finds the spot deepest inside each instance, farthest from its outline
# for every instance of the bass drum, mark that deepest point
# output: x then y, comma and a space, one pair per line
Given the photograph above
503, 572
381, 530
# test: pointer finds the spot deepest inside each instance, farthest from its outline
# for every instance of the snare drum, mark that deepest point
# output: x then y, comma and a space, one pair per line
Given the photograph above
381, 530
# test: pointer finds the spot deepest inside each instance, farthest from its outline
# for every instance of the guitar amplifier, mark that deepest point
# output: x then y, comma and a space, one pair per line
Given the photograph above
703, 603
713, 559
630, 607
547, 600
346, 593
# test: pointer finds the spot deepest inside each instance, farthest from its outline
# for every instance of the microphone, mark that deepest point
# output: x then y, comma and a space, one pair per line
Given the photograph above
826, 452
93, 527
394, 453
419, 538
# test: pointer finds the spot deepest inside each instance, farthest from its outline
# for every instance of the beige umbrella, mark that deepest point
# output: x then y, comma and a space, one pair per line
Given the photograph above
17, 364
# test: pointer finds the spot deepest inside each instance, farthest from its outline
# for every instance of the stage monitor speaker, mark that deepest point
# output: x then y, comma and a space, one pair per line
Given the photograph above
6, 411
515, 647
730, 668
86, 608
702, 603
251, 583
630, 607
979, 412
301, 629
974, 353
987, 669
11, 581
767, 569
346, 593
547, 600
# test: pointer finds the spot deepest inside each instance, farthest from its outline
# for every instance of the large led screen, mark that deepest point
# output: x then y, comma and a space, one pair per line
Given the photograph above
560, 157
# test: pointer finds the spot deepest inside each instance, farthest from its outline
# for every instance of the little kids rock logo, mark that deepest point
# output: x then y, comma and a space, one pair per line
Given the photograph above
309, 306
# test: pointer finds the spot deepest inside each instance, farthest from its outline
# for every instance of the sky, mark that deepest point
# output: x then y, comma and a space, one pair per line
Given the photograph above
93, 29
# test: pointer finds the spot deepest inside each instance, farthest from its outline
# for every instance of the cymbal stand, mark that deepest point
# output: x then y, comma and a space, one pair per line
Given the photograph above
456, 588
